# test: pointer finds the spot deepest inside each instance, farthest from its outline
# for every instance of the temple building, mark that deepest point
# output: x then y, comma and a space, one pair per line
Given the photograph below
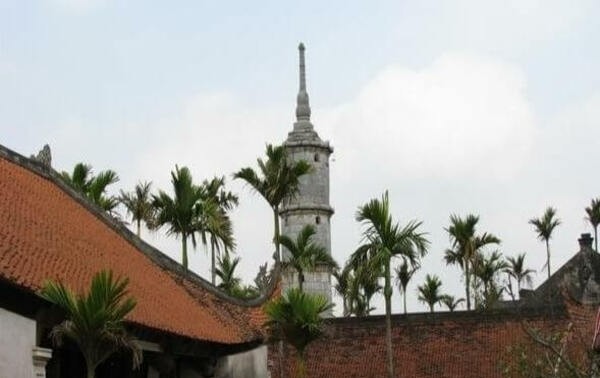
187, 328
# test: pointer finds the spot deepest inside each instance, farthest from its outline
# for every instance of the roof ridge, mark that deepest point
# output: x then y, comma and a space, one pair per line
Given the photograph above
153, 253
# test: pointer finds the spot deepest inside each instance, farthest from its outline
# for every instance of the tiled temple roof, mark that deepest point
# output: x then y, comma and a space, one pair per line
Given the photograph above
48, 231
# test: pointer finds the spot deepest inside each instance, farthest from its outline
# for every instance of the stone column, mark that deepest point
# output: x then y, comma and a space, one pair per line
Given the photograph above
40, 356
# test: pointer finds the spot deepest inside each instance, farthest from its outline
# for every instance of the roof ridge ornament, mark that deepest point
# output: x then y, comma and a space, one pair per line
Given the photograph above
302, 105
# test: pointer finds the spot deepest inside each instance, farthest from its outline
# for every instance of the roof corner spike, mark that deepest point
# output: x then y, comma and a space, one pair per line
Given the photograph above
302, 107
301, 49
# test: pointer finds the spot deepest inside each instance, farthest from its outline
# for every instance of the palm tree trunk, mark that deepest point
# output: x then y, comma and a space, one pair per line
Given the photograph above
486, 290
276, 236
388, 320
280, 355
404, 299
184, 257
431, 308
91, 371
213, 271
138, 229
467, 285
300, 280
548, 253
301, 365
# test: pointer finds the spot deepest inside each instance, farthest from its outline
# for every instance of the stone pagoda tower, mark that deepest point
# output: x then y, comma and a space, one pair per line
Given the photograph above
311, 204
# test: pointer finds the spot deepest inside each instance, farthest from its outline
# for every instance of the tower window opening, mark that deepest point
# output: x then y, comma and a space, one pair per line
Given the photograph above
316, 157
318, 220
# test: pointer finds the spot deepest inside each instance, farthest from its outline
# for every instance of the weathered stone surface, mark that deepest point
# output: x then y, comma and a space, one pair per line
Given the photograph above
311, 205
44, 156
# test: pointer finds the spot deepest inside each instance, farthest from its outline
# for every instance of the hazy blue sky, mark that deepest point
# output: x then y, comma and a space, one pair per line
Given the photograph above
454, 106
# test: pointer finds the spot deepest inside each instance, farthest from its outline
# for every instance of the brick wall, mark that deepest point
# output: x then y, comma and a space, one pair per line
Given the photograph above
440, 345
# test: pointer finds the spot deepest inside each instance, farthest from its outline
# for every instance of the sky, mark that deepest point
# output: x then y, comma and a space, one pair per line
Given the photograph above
455, 107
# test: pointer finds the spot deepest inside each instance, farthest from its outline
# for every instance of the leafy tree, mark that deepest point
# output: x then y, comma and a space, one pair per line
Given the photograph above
516, 269
225, 270
466, 244
367, 280
215, 189
486, 270
182, 211
559, 353
216, 230
219, 230
544, 227
245, 292
451, 302
356, 285
277, 179
138, 204
387, 239
305, 254
593, 216
95, 321
404, 273
263, 279
366, 272
343, 280
93, 187
296, 318
429, 292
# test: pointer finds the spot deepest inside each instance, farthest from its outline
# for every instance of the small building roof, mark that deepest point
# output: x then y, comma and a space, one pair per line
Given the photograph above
49, 231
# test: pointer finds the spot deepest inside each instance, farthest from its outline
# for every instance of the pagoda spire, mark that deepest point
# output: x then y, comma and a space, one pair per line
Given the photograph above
302, 105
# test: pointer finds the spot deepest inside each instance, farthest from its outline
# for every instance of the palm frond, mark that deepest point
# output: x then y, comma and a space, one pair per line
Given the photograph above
95, 321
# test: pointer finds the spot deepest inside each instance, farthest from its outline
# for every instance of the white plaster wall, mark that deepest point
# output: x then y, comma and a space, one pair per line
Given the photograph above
17, 339
250, 364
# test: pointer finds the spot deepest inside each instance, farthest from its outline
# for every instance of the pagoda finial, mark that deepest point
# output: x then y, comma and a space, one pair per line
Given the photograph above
302, 106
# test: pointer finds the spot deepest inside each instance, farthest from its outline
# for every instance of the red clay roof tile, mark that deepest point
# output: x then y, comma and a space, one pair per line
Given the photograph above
45, 233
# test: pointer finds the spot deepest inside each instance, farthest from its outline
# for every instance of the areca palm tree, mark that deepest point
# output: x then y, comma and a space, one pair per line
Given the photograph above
342, 286
215, 189
516, 269
93, 187
95, 321
367, 273
466, 244
429, 292
181, 212
296, 317
404, 273
451, 302
387, 239
593, 216
305, 254
218, 232
225, 270
356, 285
139, 205
544, 227
277, 179
486, 269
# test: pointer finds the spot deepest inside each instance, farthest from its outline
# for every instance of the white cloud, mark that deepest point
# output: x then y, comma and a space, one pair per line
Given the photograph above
458, 116
506, 27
